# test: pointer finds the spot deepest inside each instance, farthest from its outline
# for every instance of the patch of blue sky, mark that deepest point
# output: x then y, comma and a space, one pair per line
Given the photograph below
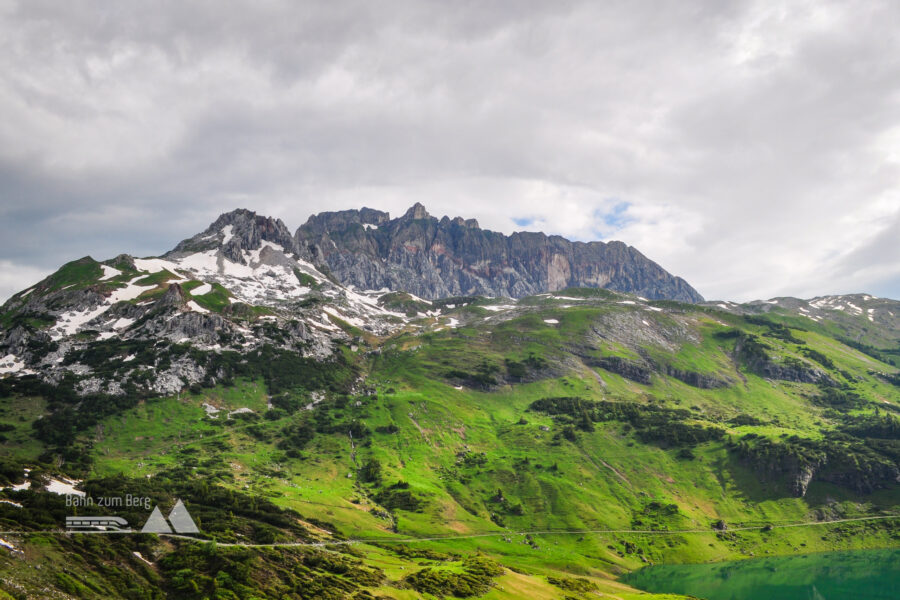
611, 220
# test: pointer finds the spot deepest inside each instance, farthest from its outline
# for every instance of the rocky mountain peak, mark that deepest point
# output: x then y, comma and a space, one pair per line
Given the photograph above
370, 216
235, 232
416, 211
325, 222
460, 222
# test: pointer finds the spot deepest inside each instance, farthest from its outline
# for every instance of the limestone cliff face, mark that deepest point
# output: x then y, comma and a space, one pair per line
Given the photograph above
435, 258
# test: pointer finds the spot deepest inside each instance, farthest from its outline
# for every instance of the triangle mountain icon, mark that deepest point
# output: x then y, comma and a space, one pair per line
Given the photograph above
156, 523
181, 519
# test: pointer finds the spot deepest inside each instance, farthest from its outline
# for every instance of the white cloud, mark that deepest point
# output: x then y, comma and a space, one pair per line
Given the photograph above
14, 278
754, 143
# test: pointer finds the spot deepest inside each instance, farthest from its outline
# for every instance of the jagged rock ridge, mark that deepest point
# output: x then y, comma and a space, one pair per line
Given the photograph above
437, 258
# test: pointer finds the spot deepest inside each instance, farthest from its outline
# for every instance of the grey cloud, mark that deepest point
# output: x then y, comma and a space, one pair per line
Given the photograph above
750, 144
876, 258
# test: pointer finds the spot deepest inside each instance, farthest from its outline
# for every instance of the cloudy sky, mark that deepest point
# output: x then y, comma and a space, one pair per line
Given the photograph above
750, 147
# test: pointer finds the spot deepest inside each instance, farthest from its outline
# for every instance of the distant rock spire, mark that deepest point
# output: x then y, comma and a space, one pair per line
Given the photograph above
416, 211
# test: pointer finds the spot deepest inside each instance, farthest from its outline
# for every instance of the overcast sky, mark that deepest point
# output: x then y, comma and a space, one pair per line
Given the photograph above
751, 147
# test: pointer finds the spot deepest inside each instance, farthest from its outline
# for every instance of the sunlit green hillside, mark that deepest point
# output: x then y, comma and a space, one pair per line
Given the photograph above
532, 450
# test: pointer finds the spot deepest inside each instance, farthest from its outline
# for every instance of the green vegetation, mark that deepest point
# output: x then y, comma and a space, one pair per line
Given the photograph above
157, 279
306, 279
470, 441
652, 424
404, 303
215, 300
75, 274
474, 579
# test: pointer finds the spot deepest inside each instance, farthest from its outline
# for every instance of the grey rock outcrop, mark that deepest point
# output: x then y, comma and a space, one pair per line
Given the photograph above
624, 367
438, 258
695, 379
235, 232
772, 370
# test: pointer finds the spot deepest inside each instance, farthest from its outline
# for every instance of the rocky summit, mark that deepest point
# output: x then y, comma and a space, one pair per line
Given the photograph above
438, 258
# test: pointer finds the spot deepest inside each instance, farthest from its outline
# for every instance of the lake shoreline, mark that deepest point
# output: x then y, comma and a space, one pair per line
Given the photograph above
872, 573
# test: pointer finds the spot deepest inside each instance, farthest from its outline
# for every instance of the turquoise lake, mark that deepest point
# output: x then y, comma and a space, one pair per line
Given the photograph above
861, 575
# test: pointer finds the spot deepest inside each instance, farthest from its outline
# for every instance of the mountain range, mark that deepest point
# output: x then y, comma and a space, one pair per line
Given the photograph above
417, 408
433, 258
355, 266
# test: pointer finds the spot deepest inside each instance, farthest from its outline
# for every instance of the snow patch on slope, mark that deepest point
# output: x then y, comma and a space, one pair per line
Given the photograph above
202, 290
64, 487
70, 322
122, 323
154, 265
11, 364
196, 307
109, 272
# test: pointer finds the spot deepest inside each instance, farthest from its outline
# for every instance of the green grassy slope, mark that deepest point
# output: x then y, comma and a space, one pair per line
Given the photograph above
506, 437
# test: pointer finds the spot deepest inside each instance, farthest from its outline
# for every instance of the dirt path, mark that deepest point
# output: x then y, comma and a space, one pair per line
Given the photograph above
414, 540
533, 532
